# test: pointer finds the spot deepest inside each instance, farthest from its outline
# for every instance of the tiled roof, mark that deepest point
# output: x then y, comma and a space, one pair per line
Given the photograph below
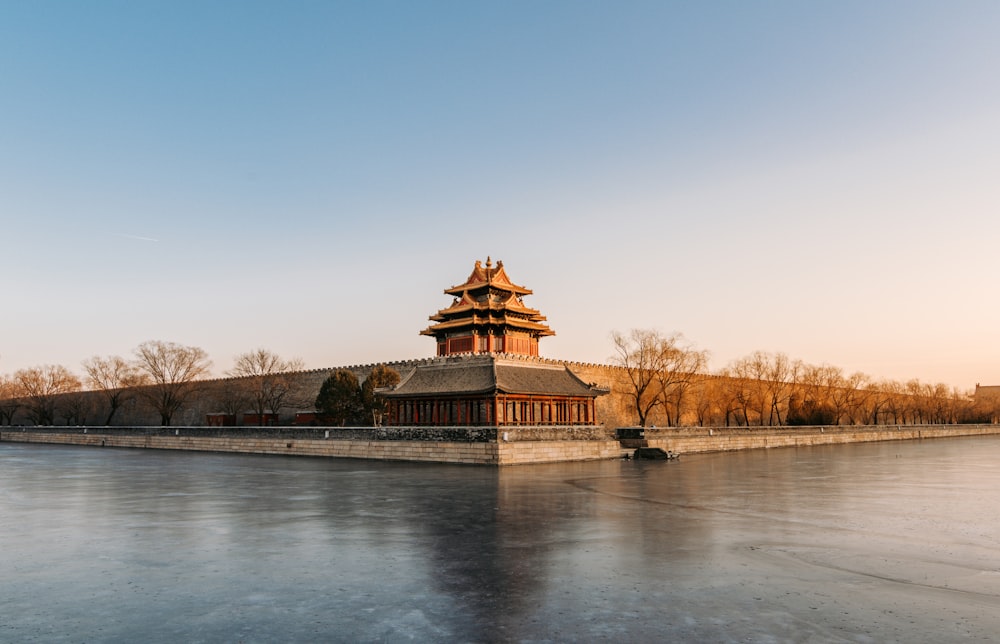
446, 378
488, 276
490, 374
531, 379
506, 320
488, 298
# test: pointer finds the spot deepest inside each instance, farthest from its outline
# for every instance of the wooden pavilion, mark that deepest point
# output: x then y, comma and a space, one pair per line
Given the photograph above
487, 371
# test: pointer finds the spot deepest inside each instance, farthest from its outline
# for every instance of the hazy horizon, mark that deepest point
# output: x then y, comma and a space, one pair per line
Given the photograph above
815, 180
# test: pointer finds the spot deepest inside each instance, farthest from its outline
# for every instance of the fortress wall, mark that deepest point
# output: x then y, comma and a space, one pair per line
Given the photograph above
305, 388
613, 409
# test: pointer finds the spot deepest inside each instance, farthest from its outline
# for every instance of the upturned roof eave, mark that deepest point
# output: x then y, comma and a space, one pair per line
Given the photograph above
540, 329
500, 286
466, 305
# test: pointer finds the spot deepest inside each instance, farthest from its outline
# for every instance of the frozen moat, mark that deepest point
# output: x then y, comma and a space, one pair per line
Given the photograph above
869, 542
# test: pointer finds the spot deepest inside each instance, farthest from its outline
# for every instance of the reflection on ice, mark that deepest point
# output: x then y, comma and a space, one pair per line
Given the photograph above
868, 542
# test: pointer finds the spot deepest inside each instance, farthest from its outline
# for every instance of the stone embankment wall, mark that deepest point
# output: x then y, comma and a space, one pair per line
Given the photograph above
473, 445
693, 440
468, 445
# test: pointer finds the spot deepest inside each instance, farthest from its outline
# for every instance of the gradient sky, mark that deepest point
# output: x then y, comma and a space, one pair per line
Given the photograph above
820, 179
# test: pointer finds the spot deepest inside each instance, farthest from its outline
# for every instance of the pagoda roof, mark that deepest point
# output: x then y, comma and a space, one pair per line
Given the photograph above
486, 276
488, 298
477, 321
478, 375
469, 303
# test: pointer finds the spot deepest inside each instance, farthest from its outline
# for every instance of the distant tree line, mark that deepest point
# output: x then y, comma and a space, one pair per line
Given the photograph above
662, 380
666, 383
161, 374
164, 377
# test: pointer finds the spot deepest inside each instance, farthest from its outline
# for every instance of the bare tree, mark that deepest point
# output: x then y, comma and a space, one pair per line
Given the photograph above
709, 401
680, 366
75, 407
172, 370
265, 381
638, 353
116, 378
846, 396
745, 395
941, 403
753, 391
41, 386
780, 377
734, 397
767, 388
660, 371
877, 402
959, 405
231, 396
815, 388
860, 401
916, 403
896, 401
10, 399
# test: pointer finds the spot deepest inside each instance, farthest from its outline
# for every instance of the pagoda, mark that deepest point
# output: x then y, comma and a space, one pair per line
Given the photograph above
487, 370
488, 315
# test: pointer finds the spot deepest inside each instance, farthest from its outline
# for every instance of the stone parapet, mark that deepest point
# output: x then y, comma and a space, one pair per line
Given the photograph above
429, 451
695, 440
473, 434
521, 433
521, 447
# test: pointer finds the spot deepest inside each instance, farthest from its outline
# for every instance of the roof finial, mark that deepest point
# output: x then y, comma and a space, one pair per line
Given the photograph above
489, 262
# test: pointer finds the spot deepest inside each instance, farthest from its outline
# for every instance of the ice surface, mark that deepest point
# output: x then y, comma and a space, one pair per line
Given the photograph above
857, 543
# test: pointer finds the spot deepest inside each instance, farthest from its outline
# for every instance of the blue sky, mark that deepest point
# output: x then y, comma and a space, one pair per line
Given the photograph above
818, 179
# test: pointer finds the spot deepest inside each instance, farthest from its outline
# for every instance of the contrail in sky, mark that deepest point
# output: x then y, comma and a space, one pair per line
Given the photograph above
136, 237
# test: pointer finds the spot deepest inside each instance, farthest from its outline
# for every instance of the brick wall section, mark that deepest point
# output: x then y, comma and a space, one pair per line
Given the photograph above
523, 453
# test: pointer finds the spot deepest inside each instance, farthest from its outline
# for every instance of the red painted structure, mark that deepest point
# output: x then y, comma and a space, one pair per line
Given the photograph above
220, 420
485, 372
268, 419
491, 390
